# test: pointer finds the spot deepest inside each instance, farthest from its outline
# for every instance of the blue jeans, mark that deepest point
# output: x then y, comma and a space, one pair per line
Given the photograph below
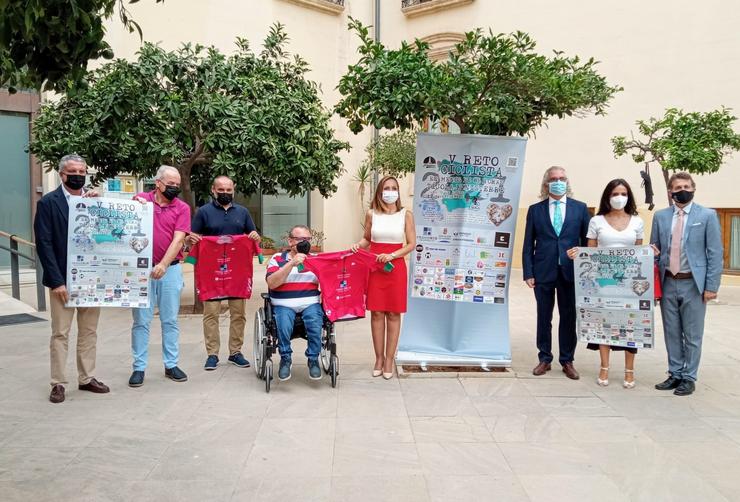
313, 320
164, 293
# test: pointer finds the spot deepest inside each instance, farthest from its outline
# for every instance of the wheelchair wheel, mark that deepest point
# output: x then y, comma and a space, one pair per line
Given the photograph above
325, 355
334, 370
258, 348
268, 375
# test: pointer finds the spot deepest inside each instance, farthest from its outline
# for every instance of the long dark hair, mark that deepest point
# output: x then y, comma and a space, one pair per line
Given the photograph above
605, 207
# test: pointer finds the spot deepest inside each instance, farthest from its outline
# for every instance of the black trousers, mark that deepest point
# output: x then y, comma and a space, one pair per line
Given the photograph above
545, 295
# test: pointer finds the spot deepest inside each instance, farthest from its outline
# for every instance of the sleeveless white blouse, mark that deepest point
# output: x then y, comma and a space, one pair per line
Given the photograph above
388, 228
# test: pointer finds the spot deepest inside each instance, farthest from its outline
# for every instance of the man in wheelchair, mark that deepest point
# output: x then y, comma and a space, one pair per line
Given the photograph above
294, 290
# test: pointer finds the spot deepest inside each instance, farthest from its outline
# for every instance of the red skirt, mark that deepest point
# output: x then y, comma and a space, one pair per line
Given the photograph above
386, 291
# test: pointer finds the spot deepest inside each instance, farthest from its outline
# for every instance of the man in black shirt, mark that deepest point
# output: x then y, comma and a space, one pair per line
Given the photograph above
222, 216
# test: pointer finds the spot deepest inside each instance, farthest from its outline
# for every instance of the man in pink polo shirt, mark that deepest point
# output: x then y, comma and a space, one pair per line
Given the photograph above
171, 226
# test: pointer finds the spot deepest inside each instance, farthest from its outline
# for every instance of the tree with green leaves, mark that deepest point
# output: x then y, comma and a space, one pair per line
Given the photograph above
392, 154
253, 117
46, 44
491, 84
694, 142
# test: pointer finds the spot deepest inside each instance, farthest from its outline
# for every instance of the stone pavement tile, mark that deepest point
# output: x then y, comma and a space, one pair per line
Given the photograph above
491, 406
447, 404
63, 434
664, 430
468, 429
548, 459
112, 464
711, 403
372, 406
374, 488
494, 386
278, 487
426, 386
217, 433
389, 459
252, 406
296, 432
573, 488
290, 461
373, 430
576, 407
729, 426
601, 429
728, 486
38, 464
659, 405
174, 491
306, 406
355, 371
217, 463
462, 459
532, 428
558, 388
466, 488
716, 458
152, 407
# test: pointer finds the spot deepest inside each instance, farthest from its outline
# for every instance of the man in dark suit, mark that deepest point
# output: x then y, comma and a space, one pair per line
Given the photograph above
50, 229
554, 225
691, 252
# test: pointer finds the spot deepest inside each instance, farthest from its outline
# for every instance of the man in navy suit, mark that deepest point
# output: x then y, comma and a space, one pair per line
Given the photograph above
554, 225
50, 229
690, 262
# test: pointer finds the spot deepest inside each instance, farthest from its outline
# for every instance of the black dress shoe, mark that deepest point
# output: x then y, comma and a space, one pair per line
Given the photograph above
57, 394
685, 389
670, 383
95, 386
137, 379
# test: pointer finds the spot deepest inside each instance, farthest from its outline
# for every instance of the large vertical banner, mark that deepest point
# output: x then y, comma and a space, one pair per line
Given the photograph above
466, 195
614, 296
109, 252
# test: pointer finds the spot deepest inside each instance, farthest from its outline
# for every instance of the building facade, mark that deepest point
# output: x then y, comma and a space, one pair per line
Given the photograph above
664, 53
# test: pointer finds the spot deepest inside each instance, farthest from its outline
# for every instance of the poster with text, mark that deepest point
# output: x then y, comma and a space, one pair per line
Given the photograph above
614, 296
109, 252
466, 195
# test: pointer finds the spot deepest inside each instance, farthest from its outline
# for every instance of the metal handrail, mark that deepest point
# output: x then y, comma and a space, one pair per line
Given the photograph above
15, 283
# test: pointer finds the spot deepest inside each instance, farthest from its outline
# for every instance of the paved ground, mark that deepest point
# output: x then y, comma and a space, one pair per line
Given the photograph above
507, 437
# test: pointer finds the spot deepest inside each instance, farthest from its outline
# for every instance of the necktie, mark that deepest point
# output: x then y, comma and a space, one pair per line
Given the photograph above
557, 218
674, 264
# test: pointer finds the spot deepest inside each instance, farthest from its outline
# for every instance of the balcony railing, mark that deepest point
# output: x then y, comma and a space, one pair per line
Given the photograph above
418, 7
328, 6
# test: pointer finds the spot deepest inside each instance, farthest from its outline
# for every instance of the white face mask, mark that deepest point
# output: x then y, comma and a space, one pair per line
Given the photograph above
618, 201
390, 196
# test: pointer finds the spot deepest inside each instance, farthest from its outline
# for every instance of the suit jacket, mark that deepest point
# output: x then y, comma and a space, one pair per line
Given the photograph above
543, 248
702, 244
50, 230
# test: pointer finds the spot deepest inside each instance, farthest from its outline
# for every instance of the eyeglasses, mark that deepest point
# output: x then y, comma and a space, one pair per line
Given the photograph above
299, 239
559, 178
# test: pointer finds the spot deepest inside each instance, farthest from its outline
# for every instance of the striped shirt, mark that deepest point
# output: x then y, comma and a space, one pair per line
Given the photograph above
299, 290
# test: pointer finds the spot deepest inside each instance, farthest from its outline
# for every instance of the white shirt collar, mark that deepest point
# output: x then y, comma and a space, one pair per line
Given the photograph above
556, 200
67, 195
686, 208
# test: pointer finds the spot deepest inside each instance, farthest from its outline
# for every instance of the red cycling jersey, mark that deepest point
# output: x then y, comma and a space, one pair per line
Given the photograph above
343, 277
223, 266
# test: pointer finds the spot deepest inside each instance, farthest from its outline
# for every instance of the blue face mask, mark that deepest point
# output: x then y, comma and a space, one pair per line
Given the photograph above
558, 187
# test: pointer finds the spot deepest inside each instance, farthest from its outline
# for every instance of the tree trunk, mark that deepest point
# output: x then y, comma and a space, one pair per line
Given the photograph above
188, 196
666, 177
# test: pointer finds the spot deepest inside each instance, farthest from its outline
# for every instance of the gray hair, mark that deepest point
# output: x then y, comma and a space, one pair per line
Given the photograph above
302, 227
545, 189
163, 170
72, 157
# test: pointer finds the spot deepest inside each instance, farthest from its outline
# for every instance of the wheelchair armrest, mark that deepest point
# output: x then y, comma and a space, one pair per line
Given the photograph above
265, 296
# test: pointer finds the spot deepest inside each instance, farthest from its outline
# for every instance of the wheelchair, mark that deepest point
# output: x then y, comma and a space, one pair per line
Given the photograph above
266, 343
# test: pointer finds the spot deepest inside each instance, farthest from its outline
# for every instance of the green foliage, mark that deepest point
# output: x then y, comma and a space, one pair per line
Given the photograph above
392, 154
255, 118
46, 44
694, 142
491, 84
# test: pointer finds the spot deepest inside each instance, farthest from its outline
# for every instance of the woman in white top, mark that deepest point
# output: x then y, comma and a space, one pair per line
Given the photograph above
389, 233
615, 225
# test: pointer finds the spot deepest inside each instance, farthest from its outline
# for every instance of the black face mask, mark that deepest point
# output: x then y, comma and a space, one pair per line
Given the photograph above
303, 247
224, 198
682, 196
75, 181
170, 192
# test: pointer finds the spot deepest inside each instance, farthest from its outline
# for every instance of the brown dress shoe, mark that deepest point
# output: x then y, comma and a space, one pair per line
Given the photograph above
541, 369
57, 394
570, 371
95, 386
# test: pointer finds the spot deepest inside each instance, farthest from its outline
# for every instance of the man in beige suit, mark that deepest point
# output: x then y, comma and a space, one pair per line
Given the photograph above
50, 229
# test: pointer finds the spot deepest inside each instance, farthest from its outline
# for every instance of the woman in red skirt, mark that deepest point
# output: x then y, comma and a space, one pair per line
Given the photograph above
389, 233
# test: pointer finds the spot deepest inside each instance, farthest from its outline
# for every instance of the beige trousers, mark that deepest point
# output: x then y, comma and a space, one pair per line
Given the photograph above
211, 312
87, 336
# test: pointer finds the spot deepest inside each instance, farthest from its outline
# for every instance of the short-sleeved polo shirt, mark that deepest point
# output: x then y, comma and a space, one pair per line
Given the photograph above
168, 219
213, 219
